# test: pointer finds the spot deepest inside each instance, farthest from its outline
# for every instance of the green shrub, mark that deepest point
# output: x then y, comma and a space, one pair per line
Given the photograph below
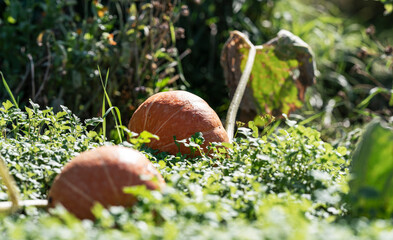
50, 50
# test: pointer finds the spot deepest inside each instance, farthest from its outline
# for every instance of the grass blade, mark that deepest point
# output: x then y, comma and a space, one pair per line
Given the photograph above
373, 93
117, 114
8, 90
103, 109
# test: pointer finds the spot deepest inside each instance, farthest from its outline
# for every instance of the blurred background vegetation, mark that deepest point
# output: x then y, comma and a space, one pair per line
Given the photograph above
50, 51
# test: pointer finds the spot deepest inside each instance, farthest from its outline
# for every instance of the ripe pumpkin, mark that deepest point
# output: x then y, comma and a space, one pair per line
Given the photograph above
100, 175
180, 114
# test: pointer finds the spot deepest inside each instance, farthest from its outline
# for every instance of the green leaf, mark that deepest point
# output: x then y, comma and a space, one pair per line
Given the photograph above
91, 134
342, 150
7, 105
60, 115
146, 136
88, 36
388, 8
29, 112
132, 10
371, 187
11, 20
8, 90
94, 121
254, 128
162, 82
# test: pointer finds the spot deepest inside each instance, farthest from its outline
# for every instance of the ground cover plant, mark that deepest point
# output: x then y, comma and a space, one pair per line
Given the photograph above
322, 172
40, 142
288, 185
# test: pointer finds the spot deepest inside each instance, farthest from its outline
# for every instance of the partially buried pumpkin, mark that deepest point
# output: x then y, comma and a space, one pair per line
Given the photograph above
99, 176
177, 114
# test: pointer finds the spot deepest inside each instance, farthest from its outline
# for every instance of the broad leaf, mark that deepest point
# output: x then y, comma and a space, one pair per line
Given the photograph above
283, 68
272, 84
371, 187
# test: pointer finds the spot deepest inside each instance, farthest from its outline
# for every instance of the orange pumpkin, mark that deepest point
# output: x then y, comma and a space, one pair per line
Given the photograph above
180, 114
100, 175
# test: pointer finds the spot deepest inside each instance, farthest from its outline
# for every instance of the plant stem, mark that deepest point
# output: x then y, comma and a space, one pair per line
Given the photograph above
13, 190
241, 87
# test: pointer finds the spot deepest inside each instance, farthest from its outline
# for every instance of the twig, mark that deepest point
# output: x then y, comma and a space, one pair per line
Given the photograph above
32, 75
184, 54
24, 78
46, 76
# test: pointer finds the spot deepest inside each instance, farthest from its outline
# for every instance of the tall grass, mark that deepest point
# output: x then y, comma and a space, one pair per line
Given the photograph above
112, 109
8, 90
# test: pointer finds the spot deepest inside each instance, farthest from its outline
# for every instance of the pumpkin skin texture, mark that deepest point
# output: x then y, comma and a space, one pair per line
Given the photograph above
180, 114
99, 175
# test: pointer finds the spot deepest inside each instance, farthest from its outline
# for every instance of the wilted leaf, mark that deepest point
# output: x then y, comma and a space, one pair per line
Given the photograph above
284, 67
288, 47
272, 84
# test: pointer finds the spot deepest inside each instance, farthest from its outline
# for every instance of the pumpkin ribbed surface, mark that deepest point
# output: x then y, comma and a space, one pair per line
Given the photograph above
100, 175
180, 114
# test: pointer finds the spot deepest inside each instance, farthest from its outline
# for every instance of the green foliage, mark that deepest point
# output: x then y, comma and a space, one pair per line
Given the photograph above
57, 45
296, 160
273, 187
371, 170
285, 184
352, 56
352, 61
37, 143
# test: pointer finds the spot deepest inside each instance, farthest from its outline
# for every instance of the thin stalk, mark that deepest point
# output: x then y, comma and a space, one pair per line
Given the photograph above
241, 87
104, 119
118, 122
12, 189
